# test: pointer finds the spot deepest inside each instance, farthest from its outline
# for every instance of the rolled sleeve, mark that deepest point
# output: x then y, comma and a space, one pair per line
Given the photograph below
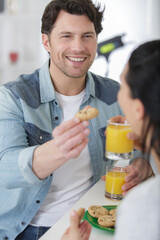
15, 153
25, 165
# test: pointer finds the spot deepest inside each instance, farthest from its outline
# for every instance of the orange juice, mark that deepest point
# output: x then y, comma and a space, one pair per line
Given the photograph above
114, 182
117, 141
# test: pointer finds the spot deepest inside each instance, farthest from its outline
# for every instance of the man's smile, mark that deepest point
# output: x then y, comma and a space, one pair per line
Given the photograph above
76, 59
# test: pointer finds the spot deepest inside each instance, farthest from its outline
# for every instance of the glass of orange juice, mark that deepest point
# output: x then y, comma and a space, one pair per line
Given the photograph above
115, 178
118, 146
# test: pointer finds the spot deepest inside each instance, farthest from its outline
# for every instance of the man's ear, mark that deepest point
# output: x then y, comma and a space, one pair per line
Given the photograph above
45, 42
139, 109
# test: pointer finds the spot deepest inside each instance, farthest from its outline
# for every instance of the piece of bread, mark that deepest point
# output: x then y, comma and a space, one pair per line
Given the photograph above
87, 113
97, 211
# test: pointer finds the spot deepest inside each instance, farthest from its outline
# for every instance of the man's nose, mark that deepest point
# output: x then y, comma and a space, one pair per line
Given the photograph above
78, 44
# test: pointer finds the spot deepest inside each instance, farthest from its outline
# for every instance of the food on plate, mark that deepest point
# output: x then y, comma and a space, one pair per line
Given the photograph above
97, 211
113, 218
105, 217
87, 113
106, 221
112, 211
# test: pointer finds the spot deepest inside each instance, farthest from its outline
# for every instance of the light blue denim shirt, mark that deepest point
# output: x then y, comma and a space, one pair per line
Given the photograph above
29, 112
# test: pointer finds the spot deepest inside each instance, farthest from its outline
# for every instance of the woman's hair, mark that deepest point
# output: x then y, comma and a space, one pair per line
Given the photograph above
78, 7
143, 79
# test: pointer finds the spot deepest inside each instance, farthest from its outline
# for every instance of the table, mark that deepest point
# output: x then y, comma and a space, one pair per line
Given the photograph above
95, 196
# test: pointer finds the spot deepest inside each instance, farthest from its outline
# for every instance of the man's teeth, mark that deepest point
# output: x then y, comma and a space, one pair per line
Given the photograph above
76, 59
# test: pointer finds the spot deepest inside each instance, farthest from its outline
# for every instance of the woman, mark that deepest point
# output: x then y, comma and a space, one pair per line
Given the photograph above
139, 98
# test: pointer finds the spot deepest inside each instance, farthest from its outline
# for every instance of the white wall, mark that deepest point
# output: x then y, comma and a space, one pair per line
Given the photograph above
20, 25
139, 19
20, 31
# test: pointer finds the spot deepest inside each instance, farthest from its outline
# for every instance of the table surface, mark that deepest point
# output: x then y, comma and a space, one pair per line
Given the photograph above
95, 196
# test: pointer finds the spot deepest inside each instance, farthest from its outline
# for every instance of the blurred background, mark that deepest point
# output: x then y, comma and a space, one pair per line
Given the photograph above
126, 24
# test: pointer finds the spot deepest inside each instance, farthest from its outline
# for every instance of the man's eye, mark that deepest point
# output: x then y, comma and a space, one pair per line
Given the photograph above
88, 36
66, 36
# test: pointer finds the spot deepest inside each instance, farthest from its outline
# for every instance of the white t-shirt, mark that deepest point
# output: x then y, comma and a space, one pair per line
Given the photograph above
139, 213
72, 180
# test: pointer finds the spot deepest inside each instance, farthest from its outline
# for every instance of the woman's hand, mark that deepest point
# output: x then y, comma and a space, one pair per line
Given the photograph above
118, 119
130, 135
136, 140
77, 231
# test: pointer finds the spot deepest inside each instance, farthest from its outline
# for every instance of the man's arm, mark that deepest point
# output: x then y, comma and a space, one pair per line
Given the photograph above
23, 164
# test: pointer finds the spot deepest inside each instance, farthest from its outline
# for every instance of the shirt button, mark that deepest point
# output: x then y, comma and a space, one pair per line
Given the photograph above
56, 103
37, 201
56, 118
40, 137
23, 223
6, 238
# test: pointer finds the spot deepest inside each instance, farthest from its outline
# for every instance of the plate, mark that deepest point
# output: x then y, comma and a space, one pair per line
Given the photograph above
93, 221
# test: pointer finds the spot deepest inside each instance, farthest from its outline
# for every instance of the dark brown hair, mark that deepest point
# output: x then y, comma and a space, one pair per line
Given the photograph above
78, 7
143, 79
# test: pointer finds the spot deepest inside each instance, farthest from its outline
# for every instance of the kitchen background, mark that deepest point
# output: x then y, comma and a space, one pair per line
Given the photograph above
126, 24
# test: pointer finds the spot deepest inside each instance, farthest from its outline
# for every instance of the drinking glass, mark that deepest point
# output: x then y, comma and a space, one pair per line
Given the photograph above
115, 178
118, 146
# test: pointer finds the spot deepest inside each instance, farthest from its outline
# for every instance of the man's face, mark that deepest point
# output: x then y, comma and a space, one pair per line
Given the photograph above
72, 45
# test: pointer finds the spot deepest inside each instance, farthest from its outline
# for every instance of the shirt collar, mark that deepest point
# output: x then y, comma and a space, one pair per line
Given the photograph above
90, 85
47, 91
46, 87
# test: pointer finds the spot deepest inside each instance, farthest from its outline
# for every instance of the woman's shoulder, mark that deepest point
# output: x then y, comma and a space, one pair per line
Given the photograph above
142, 200
147, 191
147, 184
138, 213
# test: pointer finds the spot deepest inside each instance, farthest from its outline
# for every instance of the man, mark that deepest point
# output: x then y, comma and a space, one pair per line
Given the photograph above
43, 173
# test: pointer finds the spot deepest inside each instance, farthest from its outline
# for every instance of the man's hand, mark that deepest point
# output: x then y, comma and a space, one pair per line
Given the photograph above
77, 231
69, 139
139, 170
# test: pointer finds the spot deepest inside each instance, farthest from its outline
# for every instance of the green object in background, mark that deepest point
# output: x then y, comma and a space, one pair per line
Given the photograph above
107, 48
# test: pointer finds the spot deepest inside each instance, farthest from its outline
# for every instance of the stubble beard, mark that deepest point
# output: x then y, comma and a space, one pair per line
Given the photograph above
69, 73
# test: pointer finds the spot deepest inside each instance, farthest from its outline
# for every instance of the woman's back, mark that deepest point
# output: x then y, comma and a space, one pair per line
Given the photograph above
139, 212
